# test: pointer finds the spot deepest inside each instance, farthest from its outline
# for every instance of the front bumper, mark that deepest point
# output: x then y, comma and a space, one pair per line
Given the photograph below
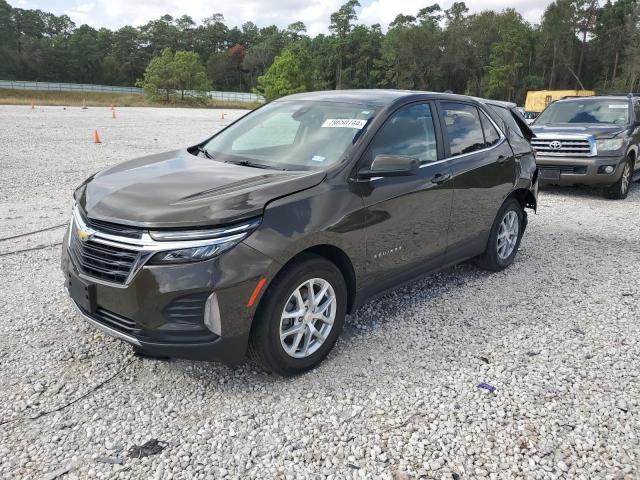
560, 170
162, 308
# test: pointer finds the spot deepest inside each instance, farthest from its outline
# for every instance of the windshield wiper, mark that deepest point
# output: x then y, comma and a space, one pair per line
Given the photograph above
247, 163
204, 151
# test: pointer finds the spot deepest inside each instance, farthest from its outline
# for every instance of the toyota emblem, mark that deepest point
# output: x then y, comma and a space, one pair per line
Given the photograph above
555, 145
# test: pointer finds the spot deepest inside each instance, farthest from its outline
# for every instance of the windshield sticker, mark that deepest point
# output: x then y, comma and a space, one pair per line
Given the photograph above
318, 158
344, 123
619, 105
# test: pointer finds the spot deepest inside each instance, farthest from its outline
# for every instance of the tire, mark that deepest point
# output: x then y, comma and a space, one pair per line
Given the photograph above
620, 189
496, 256
266, 347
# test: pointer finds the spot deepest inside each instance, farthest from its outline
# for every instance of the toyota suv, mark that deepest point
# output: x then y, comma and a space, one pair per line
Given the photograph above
264, 236
590, 141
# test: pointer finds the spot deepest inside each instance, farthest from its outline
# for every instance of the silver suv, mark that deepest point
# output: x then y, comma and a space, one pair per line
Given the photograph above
590, 141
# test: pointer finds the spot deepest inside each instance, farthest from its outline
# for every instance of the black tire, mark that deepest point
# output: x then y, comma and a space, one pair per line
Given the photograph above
490, 259
620, 189
265, 347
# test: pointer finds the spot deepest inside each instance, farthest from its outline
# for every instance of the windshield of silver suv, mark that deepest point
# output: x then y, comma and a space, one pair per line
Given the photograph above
606, 111
291, 135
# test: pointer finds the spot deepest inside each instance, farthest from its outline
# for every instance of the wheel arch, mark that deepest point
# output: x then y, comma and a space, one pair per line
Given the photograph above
525, 197
633, 154
335, 255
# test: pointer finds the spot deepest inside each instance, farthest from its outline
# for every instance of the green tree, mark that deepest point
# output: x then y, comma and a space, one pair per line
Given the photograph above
411, 52
289, 73
507, 59
170, 72
341, 26
189, 73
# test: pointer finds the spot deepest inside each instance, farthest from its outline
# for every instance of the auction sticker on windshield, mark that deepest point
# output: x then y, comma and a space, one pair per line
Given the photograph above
619, 105
344, 123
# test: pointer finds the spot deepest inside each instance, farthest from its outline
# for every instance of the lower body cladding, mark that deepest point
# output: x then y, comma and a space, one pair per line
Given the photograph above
592, 171
198, 311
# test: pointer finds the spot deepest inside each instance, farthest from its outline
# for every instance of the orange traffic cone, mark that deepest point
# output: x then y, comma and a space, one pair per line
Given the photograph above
113, 114
96, 136
33, 104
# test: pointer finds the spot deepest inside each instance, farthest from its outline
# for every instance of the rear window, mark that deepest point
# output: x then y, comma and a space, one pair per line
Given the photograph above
491, 135
507, 118
464, 129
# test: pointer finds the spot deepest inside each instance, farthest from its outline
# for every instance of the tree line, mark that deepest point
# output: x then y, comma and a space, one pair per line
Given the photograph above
578, 44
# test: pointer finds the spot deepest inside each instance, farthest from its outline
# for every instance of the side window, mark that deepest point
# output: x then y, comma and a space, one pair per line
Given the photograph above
637, 109
491, 135
507, 118
410, 132
464, 129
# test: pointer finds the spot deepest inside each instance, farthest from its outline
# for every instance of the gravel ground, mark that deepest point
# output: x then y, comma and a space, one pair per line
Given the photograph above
557, 335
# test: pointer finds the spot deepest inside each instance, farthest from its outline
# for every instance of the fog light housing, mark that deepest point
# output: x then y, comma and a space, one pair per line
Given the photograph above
609, 169
212, 314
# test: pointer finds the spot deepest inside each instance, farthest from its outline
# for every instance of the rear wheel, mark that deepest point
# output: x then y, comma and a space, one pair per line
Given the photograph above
620, 189
504, 238
300, 318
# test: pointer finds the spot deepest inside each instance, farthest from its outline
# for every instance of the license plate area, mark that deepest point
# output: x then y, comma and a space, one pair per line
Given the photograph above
83, 293
549, 174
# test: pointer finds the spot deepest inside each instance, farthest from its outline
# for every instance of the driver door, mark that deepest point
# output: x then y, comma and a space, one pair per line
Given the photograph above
407, 217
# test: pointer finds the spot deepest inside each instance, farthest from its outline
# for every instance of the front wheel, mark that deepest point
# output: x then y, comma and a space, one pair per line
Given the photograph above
504, 238
620, 189
301, 317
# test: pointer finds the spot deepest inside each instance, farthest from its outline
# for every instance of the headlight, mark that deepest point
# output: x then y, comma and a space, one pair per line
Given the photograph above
609, 144
198, 244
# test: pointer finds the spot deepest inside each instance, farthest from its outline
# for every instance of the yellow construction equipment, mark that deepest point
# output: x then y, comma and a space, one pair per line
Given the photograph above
538, 100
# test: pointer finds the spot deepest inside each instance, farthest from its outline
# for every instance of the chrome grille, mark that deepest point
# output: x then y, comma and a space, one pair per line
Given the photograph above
564, 146
106, 262
102, 261
114, 228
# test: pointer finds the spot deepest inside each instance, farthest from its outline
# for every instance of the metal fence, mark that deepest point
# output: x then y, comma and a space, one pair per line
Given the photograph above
66, 87
85, 87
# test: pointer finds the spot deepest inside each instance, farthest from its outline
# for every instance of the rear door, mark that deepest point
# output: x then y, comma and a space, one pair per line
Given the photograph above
407, 217
483, 167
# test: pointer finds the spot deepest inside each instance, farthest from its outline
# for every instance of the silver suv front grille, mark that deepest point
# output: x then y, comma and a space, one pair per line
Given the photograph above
561, 146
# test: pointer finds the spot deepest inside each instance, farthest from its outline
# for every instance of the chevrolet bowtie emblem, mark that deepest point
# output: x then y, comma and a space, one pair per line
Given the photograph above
83, 235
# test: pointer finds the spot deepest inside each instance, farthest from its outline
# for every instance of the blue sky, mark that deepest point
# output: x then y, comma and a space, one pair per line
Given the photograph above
314, 13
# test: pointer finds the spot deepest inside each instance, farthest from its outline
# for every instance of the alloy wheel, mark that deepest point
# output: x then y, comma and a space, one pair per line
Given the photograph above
626, 175
508, 234
307, 318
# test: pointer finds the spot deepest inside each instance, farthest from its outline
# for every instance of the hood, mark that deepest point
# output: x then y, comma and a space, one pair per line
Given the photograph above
596, 130
176, 189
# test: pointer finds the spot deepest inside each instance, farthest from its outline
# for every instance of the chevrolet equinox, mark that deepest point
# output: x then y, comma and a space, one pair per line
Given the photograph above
263, 237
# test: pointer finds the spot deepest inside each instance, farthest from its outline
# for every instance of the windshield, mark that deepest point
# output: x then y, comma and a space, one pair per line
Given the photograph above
292, 135
586, 111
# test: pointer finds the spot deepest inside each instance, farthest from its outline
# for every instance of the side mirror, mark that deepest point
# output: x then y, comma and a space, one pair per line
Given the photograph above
391, 166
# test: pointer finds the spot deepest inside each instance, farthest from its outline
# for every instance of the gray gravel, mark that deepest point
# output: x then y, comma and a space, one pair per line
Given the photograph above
557, 335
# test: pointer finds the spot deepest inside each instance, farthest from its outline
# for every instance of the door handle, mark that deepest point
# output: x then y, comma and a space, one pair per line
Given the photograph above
440, 178
501, 159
